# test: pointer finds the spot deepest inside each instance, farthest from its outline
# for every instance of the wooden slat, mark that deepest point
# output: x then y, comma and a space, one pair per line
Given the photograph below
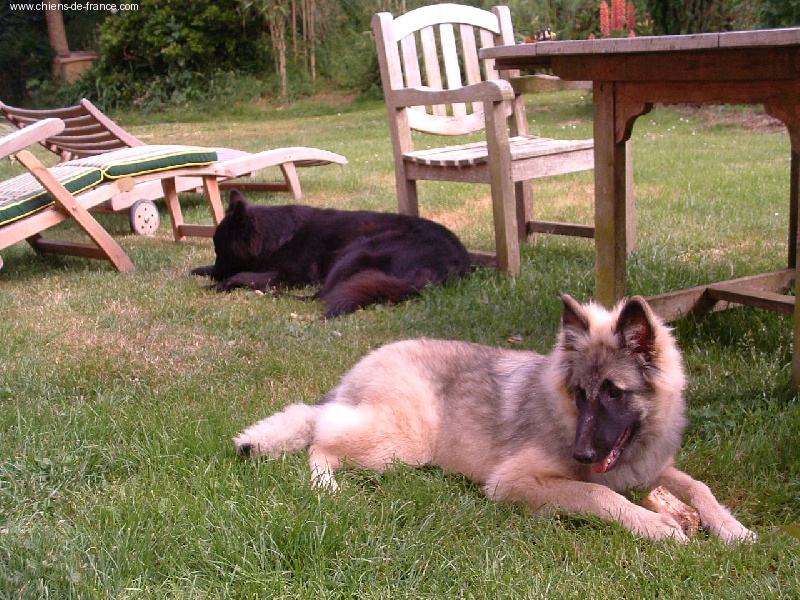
741, 294
21, 139
203, 231
697, 300
465, 155
452, 69
79, 249
553, 227
444, 13
469, 47
433, 72
472, 64
410, 58
487, 41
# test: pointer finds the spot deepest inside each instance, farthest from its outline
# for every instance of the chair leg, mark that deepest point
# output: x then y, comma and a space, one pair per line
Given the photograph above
174, 207
292, 180
407, 200
103, 247
526, 211
211, 189
504, 199
506, 232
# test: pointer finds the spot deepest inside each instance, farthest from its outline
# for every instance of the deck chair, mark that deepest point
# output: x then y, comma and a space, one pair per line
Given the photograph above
434, 82
42, 198
89, 133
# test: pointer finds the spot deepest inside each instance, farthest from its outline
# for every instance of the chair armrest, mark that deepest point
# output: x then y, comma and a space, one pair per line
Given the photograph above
30, 135
495, 90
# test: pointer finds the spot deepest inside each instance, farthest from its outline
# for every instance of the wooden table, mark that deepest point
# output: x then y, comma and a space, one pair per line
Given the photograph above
629, 75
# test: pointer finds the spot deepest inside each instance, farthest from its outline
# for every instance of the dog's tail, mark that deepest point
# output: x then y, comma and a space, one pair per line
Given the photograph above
369, 287
287, 431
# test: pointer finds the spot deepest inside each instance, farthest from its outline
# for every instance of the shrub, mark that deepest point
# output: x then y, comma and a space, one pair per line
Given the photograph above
171, 48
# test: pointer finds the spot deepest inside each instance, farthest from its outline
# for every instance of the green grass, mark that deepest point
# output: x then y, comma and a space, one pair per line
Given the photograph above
120, 393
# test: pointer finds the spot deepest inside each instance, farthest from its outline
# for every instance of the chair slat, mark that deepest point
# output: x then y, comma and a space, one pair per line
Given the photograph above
410, 60
487, 41
472, 64
452, 68
433, 72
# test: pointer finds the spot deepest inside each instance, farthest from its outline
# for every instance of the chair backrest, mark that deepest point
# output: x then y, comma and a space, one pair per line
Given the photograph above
87, 131
28, 136
437, 46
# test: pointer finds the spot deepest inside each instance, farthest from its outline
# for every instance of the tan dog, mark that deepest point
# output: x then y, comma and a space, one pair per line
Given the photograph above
603, 413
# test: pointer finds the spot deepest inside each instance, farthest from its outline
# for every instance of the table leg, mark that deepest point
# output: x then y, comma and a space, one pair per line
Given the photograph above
790, 115
610, 159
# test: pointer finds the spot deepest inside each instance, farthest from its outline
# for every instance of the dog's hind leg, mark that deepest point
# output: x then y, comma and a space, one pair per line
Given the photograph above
323, 466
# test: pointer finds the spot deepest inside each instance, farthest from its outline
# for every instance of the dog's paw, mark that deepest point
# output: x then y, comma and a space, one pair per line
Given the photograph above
733, 532
203, 271
254, 281
659, 527
225, 286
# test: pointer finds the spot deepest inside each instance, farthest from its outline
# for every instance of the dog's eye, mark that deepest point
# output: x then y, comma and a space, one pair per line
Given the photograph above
613, 391
580, 396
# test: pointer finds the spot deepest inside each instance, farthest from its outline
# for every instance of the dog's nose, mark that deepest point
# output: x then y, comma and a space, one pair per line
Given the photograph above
584, 455
245, 450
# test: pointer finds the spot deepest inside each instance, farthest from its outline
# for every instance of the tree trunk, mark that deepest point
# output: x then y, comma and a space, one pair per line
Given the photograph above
277, 29
56, 31
312, 44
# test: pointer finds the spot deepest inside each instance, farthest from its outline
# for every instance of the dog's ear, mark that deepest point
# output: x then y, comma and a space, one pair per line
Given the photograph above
573, 316
574, 323
237, 205
636, 327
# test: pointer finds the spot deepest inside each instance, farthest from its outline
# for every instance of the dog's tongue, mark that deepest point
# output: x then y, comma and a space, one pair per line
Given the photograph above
609, 461
605, 464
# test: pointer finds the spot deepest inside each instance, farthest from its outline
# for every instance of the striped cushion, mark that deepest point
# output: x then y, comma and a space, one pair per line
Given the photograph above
22, 195
141, 160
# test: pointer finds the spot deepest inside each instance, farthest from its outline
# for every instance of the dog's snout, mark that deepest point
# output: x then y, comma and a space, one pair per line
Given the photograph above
245, 450
585, 455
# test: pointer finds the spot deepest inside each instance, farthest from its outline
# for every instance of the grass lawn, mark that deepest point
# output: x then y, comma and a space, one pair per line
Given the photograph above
120, 393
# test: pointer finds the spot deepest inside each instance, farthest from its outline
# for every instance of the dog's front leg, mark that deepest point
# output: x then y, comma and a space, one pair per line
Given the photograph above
247, 279
206, 271
713, 516
553, 494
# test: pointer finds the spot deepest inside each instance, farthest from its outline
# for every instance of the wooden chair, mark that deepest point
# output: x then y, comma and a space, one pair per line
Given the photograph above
434, 82
89, 132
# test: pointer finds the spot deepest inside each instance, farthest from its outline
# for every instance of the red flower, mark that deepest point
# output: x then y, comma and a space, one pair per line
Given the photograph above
631, 17
605, 22
617, 15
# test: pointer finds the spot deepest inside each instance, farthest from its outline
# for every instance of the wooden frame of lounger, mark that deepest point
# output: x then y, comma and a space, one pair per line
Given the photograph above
89, 132
66, 205
77, 206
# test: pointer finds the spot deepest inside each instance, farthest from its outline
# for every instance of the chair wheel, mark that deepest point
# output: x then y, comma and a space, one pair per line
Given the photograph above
144, 218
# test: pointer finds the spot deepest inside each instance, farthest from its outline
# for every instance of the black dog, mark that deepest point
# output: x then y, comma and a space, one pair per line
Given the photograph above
359, 257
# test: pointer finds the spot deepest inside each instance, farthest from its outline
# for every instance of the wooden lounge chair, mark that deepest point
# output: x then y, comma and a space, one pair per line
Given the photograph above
434, 82
33, 202
89, 132
41, 198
